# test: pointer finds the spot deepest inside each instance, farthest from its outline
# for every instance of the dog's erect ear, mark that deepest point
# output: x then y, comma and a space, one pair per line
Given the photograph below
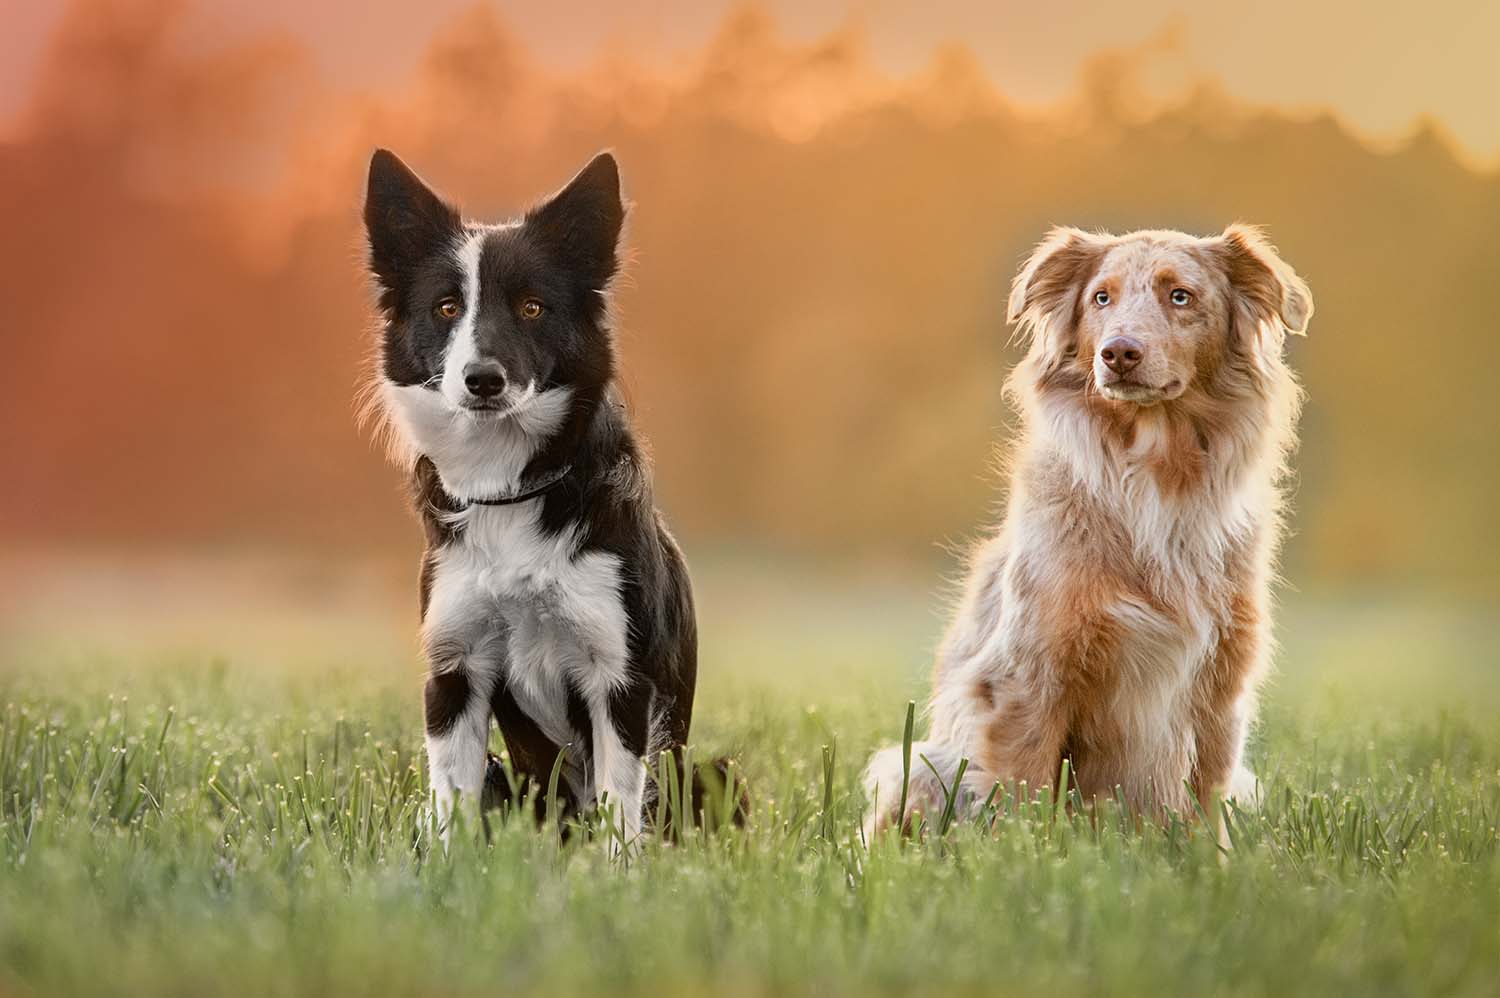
405, 221
1047, 285
1265, 284
580, 224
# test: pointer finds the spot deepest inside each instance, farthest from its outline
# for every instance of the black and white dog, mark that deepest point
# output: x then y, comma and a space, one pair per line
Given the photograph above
552, 594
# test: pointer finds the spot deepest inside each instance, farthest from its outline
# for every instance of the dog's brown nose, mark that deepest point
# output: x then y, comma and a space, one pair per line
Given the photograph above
1121, 353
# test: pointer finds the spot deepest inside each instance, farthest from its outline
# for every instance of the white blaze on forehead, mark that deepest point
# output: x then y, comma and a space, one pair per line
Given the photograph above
474, 457
463, 346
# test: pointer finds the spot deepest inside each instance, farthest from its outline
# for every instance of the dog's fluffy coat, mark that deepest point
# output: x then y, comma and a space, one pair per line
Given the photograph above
1119, 618
568, 616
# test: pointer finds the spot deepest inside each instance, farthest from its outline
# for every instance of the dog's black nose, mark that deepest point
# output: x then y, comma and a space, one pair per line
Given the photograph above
1121, 353
484, 378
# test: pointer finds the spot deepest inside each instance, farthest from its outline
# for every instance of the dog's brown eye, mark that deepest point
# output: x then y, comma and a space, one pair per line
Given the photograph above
449, 308
1181, 296
532, 309
1071, 350
1101, 297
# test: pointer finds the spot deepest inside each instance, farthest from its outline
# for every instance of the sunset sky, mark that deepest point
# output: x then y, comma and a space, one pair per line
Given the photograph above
1381, 67
812, 184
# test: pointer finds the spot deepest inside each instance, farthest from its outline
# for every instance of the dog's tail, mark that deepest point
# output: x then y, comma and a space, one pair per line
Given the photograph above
719, 792
934, 778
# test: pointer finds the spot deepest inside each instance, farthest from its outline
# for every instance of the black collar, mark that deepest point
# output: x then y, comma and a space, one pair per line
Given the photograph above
546, 484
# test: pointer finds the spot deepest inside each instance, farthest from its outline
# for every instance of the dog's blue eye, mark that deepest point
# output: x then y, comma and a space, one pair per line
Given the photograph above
1180, 296
1101, 297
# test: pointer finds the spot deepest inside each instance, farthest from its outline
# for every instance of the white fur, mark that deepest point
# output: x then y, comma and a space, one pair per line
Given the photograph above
456, 765
476, 457
554, 615
463, 346
476, 454
508, 599
1192, 569
934, 767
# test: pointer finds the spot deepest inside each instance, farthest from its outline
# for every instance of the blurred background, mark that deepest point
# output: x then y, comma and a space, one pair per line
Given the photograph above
830, 200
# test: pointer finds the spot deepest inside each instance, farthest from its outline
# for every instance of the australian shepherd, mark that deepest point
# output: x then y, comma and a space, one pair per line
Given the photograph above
1119, 618
553, 597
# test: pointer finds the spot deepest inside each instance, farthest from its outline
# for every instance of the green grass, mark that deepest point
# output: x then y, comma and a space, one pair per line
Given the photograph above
198, 828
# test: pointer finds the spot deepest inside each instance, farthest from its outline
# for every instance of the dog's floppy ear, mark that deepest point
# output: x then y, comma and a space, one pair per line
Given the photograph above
1266, 286
1046, 287
581, 223
405, 221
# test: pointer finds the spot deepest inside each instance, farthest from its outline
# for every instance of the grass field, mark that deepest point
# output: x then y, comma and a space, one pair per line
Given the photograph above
175, 821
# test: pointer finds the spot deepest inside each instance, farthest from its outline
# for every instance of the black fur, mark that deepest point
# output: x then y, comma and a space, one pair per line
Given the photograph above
444, 699
563, 253
411, 230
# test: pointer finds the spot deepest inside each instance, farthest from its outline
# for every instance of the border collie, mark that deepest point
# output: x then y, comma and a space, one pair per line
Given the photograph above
1119, 618
552, 595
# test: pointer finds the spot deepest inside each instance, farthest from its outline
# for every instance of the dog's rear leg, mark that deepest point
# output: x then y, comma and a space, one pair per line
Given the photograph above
934, 777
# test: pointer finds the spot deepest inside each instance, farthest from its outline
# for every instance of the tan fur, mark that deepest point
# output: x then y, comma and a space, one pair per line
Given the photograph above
1120, 616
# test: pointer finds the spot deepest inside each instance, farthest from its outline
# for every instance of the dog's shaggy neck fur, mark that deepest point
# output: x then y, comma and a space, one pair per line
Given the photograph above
1183, 478
1119, 617
568, 616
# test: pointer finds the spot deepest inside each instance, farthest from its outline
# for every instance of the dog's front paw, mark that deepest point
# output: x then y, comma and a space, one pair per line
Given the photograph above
453, 812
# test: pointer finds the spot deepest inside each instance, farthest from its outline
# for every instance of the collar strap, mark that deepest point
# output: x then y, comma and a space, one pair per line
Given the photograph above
545, 485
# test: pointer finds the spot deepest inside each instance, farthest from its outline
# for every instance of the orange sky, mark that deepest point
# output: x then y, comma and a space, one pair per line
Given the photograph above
786, 171
1381, 67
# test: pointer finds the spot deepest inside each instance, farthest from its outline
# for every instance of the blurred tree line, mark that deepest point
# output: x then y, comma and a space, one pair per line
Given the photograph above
812, 322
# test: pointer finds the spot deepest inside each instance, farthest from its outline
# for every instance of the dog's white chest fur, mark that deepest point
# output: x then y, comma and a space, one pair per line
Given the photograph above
549, 614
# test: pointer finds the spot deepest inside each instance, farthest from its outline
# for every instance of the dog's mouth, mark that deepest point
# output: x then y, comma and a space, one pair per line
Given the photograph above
486, 410
490, 412
1126, 390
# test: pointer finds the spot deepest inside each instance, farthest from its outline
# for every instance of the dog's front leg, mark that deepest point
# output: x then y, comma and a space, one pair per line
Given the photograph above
465, 655
620, 731
465, 644
1223, 705
458, 726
